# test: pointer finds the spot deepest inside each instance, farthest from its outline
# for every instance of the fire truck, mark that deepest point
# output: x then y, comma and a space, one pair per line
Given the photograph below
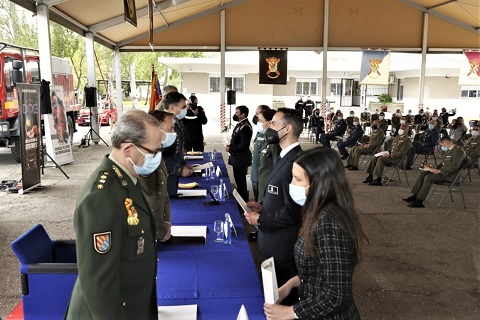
22, 65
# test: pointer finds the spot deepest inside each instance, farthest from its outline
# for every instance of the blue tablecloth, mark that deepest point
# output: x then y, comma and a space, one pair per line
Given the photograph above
216, 277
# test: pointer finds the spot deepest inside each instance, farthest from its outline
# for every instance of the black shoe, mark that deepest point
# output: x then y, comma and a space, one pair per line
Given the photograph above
353, 168
348, 166
410, 199
368, 180
418, 203
408, 168
252, 237
345, 157
376, 182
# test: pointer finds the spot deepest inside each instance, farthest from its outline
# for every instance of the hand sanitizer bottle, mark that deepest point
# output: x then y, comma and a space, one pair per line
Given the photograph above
227, 230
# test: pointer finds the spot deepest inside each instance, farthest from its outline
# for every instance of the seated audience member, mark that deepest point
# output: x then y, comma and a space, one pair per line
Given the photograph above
445, 172
338, 131
420, 121
399, 148
349, 122
317, 124
438, 121
426, 143
383, 123
329, 123
374, 140
457, 131
410, 118
389, 138
396, 119
472, 145
374, 116
365, 119
329, 245
351, 141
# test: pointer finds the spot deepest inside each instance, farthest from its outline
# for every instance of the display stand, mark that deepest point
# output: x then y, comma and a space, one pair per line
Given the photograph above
85, 142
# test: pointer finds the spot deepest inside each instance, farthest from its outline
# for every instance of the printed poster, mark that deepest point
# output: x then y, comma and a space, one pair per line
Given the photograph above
56, 129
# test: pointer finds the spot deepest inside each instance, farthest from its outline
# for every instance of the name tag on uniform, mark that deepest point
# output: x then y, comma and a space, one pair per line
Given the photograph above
264, 151
448, 156
272, 189
140, 245
260, 138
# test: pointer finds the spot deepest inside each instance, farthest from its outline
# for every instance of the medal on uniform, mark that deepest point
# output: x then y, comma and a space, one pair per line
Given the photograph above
140, 245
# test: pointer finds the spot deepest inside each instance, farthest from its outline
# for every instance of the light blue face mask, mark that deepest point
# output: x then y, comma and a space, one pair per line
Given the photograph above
170, 138
149, 165
444, 149
260, 128
474, 133
298, 193
355, 123
431, 126
182, 114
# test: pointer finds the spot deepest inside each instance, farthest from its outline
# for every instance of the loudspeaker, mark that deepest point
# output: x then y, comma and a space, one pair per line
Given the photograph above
45, 101
90, 97
231, 97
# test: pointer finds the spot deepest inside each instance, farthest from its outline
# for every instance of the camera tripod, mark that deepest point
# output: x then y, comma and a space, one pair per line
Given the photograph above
85, 142
230, 125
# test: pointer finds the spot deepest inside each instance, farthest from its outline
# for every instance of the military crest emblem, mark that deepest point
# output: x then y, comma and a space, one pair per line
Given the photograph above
273, 72
102, 242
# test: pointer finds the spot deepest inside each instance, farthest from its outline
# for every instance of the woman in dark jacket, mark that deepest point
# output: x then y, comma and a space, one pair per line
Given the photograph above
329, 244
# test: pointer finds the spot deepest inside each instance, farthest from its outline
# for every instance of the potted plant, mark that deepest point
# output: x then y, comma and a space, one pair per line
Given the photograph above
384, 98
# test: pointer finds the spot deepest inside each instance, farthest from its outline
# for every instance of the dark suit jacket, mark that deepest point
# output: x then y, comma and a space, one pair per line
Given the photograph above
356, 134
239, 149
116, 280
340, 128
279, 220
174, 161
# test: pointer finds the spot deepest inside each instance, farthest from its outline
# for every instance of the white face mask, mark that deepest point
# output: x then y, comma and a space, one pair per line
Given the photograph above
298, 193
400, 132
260, 128
380, 117
170, 138
474, 133
403, 122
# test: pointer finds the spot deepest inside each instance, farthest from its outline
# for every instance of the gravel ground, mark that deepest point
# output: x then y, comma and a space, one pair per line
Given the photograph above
419, 264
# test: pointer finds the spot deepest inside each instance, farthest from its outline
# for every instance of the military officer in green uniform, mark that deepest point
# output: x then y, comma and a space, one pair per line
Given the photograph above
472, 145
398, 149
445, 172
154, 185
374, 140
115, 230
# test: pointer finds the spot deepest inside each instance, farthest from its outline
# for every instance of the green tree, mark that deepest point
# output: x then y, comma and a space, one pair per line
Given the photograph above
15, 28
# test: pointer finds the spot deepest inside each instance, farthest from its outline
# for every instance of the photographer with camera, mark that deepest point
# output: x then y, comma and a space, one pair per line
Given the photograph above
193, 122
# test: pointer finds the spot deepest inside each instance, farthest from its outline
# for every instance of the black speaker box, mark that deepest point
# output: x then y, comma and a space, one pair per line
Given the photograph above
231, 97
90, 97
45, 101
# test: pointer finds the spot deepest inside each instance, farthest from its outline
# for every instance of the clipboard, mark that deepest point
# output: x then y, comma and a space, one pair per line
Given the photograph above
240, 201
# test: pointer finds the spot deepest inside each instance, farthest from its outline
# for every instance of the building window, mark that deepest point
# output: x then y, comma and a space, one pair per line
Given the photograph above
470, 92
376, 90
335, 87
232, 82
306, 87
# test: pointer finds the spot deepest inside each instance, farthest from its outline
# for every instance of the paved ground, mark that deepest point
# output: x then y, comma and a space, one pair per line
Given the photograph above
420, 263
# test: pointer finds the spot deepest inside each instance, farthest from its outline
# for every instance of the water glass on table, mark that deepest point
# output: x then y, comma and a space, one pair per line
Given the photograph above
214, 190
218, 229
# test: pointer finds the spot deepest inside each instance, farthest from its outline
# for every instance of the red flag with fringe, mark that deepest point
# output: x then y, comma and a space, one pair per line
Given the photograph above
156, 95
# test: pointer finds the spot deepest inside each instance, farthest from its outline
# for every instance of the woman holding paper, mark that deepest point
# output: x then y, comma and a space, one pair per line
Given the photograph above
329, 244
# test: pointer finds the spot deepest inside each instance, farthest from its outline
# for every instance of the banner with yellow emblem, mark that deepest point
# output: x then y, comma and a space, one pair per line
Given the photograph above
375, 67
273, 67
470, 70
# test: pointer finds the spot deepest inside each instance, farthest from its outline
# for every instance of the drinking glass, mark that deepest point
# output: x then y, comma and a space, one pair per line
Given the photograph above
212, 156
218, 228
214, 190
208, 174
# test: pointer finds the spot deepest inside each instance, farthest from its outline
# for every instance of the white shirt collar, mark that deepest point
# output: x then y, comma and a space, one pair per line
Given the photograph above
287, 149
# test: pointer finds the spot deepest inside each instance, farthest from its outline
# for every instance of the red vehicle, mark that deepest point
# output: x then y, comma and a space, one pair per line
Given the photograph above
106, 114
17, 69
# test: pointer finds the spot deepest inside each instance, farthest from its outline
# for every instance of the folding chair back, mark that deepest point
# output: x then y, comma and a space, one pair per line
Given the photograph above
400, 166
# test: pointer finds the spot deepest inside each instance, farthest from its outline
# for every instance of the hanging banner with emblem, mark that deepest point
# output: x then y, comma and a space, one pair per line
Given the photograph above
273, 66
57, 135
30, 135
375, 68
470, 69
130, 12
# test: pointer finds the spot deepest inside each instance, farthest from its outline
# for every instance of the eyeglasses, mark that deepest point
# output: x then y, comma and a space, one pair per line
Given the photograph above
154, 152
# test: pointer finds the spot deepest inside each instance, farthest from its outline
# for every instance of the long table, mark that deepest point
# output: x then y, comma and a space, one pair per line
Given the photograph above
218, 278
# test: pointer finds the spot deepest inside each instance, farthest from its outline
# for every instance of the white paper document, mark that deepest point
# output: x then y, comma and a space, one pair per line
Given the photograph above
240, 201
189, 157
185, 312
189, 231
242, 314
199, 167
381, 154
192, 193
269, 279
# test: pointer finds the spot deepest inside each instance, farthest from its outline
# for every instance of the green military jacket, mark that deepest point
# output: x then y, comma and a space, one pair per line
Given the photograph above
376, 138
383, 125
451, 162
268, 155
472, 147
400, 146
154, 188
116, 258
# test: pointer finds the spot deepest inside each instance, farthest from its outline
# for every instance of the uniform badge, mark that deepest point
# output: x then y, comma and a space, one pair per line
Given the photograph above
272, 189
132, 218
102, 242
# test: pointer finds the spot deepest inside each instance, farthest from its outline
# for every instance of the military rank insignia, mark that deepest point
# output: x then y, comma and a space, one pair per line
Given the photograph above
132, 218
102, 242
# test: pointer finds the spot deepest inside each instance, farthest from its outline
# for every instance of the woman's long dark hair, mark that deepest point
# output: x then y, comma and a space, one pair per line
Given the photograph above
329, 189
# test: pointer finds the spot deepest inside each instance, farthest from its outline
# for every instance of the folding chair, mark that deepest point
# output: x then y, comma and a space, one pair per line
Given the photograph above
472, 167
426, 154
362, 158
398, 167
457, 182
